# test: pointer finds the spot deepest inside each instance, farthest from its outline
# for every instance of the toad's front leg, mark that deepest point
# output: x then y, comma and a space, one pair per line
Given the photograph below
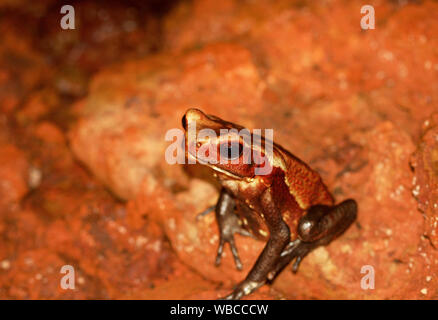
268, 259
229, 225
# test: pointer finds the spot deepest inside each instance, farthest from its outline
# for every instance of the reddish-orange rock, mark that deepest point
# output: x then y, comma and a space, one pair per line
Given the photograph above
352, 117
13, 174
351, 103
311, 52
22, 67
38, 106
425, 183
49, 133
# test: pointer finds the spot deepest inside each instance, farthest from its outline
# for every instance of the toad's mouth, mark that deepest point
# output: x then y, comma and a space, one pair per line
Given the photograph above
215, 168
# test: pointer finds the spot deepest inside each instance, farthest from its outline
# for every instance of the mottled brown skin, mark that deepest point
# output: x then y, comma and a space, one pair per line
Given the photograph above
290, 207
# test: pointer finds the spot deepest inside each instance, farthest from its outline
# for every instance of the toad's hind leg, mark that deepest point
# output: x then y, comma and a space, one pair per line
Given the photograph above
318, 227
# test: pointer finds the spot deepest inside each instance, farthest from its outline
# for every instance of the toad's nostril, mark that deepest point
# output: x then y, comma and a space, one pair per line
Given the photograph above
184, 122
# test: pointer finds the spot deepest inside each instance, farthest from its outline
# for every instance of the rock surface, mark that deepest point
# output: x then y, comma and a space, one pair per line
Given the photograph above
425, 182
83, 175
13, 174
352, 91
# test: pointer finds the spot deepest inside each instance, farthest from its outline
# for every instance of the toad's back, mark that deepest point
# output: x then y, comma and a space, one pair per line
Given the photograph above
296, 187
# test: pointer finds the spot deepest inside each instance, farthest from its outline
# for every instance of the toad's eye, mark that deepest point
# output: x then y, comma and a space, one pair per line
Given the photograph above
231, 150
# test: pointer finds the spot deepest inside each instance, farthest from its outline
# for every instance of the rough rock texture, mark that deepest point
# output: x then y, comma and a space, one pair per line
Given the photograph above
13, 174
425, 182
83, 176
349, 103
52, 211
